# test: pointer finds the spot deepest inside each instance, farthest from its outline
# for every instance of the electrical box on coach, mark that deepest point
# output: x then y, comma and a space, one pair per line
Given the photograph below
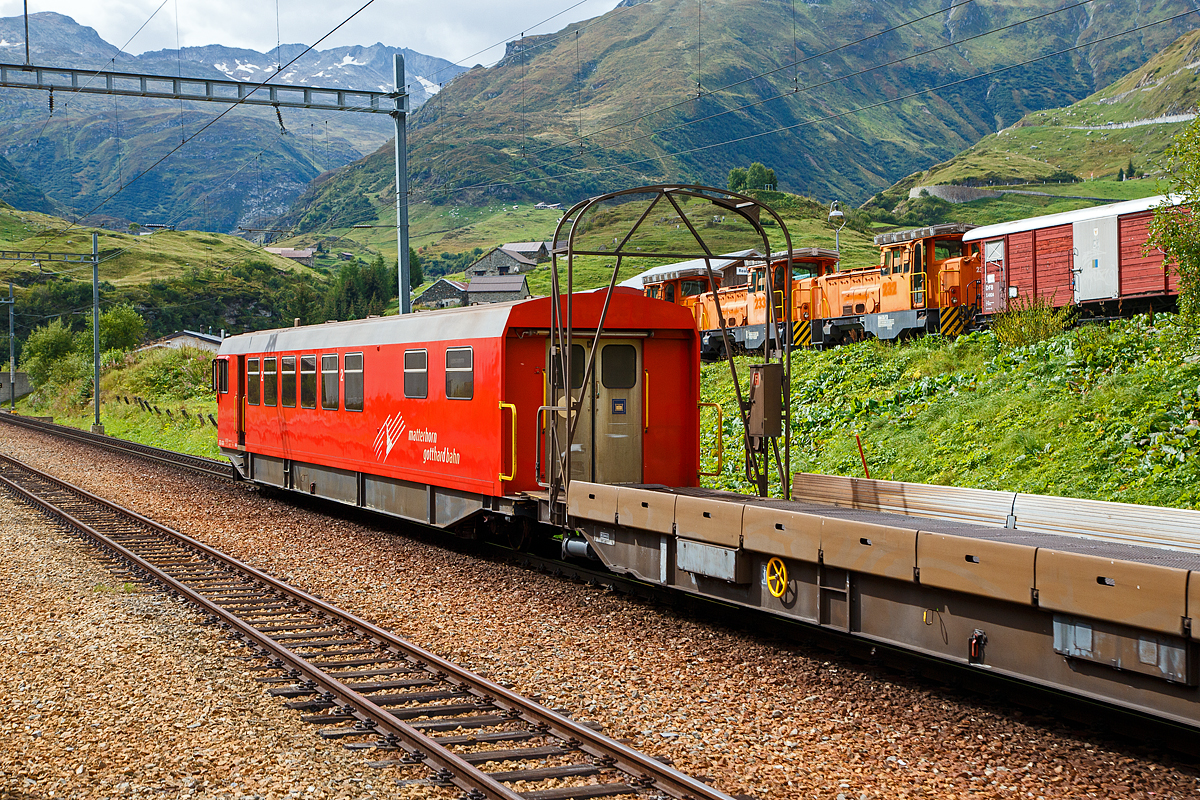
766, 400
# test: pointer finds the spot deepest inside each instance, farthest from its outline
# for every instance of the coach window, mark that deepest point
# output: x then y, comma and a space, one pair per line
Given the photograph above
329, 382
353, 376
618, 366
288, 378
270, 382
252, 384
416, 373
460, 373
308, 381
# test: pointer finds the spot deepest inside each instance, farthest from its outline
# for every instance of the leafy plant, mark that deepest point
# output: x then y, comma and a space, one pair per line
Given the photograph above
1030, 320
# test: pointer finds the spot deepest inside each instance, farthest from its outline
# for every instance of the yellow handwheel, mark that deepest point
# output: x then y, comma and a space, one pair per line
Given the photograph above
777, 580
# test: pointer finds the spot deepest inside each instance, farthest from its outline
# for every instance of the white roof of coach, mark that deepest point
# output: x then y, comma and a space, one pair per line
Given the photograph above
1069, 217
472, 322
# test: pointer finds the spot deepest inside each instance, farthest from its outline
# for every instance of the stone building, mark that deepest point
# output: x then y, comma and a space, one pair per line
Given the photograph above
497, 289
444, 293
499, 261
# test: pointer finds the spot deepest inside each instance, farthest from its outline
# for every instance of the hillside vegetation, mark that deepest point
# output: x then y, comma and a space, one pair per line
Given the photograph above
1084, 140
1107, 412
628, 99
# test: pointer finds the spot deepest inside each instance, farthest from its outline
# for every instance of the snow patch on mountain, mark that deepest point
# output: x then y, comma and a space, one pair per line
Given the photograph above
429, 86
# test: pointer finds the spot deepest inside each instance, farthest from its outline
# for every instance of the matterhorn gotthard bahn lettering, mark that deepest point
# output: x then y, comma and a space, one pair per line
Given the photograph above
394, 428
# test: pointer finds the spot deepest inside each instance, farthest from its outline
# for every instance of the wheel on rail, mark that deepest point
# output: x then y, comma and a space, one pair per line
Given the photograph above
519, 533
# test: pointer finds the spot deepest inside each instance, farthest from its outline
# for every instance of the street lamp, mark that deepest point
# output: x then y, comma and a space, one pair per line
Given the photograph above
836, 217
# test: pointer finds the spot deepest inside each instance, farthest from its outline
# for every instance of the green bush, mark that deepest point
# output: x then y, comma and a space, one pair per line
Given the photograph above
1028, 321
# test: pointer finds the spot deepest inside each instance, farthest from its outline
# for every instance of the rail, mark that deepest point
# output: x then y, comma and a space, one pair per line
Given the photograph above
364, 681
204, 466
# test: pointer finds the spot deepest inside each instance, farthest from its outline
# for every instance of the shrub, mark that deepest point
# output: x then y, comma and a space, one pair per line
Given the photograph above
1028, 321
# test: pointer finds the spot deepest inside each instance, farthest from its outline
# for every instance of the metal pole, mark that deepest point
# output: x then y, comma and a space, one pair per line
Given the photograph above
402, 184
12, 354
96, 427
26, 32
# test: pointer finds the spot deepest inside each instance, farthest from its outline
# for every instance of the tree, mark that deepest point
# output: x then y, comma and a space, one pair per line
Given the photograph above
759, 177
1121, 174
121, 328
737, 179
45, 348
415, 276
1176, 229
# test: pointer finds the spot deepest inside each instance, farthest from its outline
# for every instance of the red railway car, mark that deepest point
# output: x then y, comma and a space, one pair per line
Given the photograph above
1091, 257
435, 417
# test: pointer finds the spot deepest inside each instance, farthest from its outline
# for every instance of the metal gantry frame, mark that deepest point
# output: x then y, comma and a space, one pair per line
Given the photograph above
277, 96
562, 320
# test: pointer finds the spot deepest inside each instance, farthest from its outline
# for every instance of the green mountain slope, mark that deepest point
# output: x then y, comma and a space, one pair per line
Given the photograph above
613, 102
1133, 120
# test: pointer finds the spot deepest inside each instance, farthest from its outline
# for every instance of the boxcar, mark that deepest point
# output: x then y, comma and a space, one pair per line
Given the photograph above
1088, 257
434, 416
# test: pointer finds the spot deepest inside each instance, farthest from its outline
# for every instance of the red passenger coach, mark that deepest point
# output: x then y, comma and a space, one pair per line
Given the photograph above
434, 416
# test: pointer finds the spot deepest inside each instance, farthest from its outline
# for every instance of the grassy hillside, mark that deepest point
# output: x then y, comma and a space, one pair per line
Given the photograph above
176, 279
1100, 412
629, 99
1083, 139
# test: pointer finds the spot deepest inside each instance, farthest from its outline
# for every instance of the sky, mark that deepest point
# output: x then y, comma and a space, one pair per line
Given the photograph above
451, 29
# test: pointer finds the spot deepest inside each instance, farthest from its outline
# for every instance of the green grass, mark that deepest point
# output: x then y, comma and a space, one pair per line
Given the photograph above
1106, 413
169, 380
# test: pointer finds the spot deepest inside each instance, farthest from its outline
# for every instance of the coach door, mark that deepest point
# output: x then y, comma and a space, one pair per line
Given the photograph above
619, 412
581, 447
1096, 275
995, 286
607, 447
239, 368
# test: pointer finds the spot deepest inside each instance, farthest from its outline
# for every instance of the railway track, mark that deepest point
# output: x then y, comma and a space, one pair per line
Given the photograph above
199, 464
363, 685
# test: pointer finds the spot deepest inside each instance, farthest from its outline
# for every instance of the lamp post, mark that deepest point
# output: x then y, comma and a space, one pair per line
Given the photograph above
838, 218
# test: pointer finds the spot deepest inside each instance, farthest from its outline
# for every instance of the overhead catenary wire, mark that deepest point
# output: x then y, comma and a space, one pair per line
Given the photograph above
691, 100
849, 112
839, 79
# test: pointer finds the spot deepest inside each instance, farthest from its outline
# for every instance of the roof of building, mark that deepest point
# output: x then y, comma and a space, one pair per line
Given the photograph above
1070, 217
497, 283
289, 252
524, 247
458, 286
208, 337
513, 254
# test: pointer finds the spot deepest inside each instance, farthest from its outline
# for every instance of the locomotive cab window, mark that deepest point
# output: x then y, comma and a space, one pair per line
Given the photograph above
669, 292
270, 382
287, 377
308, 381
416, 373
460, 373
329, 382
618, 366
652, 291
946, 249
693, 288
353, 378
252, 383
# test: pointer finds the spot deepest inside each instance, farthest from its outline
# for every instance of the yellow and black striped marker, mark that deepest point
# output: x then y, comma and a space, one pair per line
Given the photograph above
801, 334
952, 321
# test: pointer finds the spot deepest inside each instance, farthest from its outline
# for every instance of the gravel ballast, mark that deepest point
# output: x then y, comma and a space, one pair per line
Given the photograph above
756, 717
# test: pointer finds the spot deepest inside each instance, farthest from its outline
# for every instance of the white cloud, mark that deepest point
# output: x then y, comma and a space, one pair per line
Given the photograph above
455, 30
